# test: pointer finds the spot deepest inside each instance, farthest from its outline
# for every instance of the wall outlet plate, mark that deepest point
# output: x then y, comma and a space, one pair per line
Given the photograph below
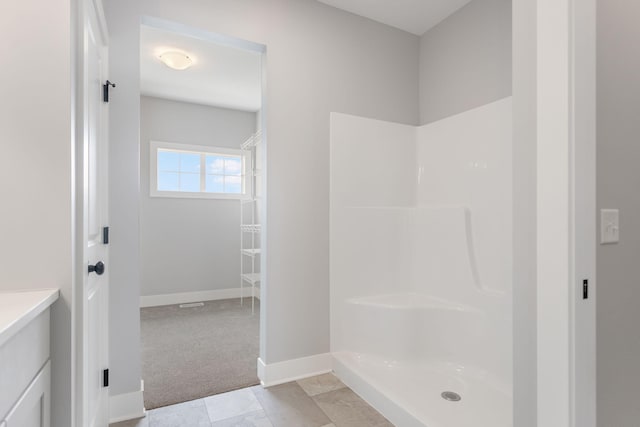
609, 226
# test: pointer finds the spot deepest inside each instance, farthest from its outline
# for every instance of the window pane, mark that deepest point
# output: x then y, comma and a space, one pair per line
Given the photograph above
215, 184
190, 182
181, 171
215, 164
232, 166
168, 181
232, 184
168, 161
190, 162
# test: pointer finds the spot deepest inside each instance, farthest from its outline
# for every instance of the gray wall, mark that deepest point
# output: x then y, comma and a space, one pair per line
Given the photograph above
124, 212
188, 245
618, 178
319, 59
35, 170
465, 61
524, 214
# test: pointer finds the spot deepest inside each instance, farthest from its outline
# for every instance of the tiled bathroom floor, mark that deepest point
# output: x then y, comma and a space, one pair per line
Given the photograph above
322, 401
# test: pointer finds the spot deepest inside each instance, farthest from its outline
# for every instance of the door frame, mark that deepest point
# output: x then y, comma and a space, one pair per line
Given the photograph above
555, 100
225, 40
79, 384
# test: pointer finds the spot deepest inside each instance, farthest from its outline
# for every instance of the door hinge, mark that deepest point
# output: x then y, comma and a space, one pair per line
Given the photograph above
105, 378
585, 289
105, 235
105, 90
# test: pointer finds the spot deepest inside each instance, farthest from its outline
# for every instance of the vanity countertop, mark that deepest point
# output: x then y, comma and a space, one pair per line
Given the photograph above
18, 308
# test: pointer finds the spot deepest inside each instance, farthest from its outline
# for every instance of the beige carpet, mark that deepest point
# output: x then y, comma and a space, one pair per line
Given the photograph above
190, 353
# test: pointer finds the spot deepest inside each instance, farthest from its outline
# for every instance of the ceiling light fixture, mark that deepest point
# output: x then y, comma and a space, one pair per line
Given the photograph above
176, 60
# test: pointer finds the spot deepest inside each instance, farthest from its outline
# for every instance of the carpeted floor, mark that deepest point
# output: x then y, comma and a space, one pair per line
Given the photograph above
190, 353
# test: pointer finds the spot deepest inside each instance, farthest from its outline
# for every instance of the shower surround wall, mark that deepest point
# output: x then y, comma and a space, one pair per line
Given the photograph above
421, 265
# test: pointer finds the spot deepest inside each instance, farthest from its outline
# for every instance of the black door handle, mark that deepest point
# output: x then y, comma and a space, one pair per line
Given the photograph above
98, 268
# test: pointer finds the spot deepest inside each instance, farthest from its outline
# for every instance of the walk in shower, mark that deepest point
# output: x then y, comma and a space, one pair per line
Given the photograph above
421, 266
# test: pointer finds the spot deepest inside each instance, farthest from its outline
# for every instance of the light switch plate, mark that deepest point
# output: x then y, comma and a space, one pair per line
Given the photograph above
609, 226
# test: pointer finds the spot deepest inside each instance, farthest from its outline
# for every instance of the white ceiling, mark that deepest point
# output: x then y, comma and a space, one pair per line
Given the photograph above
221, 76
414, 16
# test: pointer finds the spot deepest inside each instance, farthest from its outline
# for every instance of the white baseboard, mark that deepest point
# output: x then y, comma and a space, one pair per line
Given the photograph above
187, 297
294, 369
126, 406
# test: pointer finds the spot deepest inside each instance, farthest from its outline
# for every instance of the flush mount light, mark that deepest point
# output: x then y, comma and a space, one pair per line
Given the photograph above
176, 60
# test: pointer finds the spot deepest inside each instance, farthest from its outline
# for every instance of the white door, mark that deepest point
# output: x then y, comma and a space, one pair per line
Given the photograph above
95, 241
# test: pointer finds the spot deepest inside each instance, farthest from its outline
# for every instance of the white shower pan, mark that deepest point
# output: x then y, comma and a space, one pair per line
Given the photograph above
408, 353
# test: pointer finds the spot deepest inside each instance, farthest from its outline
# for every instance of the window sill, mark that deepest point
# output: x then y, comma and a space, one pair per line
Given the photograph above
194, 195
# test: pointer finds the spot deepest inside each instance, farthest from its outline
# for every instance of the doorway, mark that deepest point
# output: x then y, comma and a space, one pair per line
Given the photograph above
201, 195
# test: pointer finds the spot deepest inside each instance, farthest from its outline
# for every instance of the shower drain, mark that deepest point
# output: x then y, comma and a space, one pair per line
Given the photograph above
451, 396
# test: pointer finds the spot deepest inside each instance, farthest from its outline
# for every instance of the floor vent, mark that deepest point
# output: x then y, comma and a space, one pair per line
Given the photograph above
192, 304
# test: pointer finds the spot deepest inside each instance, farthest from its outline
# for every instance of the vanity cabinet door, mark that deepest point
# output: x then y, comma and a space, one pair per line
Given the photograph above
34, 407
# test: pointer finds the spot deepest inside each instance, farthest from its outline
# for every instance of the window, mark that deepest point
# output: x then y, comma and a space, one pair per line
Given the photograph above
178, 170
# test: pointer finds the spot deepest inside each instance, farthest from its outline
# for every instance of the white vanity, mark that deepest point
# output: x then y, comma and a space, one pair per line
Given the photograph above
25, 369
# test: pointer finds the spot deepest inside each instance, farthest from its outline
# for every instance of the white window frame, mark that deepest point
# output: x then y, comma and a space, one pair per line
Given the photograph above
154, 146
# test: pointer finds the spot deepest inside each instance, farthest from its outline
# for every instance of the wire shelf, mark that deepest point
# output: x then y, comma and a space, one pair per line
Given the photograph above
249, 245
251, 252
250, 228
252, 278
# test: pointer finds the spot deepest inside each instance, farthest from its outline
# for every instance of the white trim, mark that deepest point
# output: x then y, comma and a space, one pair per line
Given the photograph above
102, 20
261, 370
175, 27
188, 297
126, 406
264, 212
566, 212
294, 369
195, 148
554, 219
194, 195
